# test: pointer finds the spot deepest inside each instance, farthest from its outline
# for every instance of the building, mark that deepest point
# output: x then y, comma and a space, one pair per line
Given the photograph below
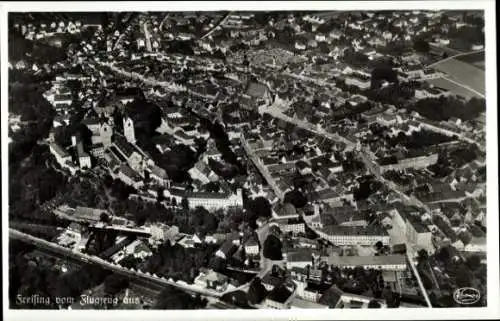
97, 150
418, 162
294, 226
280, 298
105, 133
128, 152
251, 246
62, 157
226, 250
418, 234
352, 235
331, 297
212, 280
300, 258
137, 249
159, 175
129, 130
210, 201
102, 132
298, 303
381, 262
83, 157
358, 80
130, 177
87, 214
270, 281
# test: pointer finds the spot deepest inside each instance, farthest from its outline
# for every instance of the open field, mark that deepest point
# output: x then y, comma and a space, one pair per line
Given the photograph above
453, 87
463, 73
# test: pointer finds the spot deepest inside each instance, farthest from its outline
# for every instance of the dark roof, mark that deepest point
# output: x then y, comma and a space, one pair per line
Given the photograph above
129, 172
353, 230
331, 297
124, 146
280, 294
59, 150
228, 248
417, 224
271, 279
257, 90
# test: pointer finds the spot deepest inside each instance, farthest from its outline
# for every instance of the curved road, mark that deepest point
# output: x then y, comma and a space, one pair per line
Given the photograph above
89, 259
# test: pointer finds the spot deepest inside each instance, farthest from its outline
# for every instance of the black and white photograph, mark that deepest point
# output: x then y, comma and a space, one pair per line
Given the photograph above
294, 159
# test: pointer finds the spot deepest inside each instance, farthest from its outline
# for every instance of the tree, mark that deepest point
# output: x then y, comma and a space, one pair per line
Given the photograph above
185, 203
473, 262
420, 45
256, 292
296, 198
172, 298
272, 248
114, 283
422, 255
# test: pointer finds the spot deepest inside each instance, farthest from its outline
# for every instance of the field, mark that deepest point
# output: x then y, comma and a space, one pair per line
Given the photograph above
453, 87
476, 59
463, 73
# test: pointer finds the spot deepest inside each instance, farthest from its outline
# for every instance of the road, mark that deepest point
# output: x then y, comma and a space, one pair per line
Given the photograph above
465, 86
457, 54
88, 259
275, 112
219, 24
262, 169
417, 275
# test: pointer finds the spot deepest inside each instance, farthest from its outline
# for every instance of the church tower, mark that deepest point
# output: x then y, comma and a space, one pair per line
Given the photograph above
106, 132
128, 129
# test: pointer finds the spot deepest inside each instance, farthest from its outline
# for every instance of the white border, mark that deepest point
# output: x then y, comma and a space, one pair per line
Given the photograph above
492, 311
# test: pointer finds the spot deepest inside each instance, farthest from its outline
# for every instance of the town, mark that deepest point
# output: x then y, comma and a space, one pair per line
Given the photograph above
247, 160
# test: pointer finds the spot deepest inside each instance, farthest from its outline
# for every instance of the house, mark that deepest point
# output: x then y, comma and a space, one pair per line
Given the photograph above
226, 250
251, 246
137, 249
300, 46
212, 280
478, 240
270, 281
300, 258
189, 241
159, 175
279, 298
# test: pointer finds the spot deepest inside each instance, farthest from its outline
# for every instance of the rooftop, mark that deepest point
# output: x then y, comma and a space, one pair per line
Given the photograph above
353, 231
280, 294
366, 260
